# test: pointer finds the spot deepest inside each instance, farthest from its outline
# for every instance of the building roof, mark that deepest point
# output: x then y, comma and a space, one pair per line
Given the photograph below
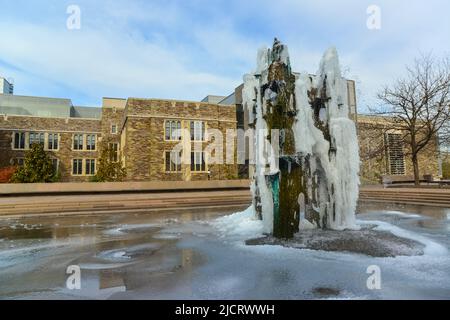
213, 99
231, 99
86, 112
45, 107
35, 106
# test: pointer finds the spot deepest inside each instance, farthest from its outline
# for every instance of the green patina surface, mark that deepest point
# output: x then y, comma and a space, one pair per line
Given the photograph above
288, 184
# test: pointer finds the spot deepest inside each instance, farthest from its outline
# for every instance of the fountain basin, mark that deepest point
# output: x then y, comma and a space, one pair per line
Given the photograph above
367, 241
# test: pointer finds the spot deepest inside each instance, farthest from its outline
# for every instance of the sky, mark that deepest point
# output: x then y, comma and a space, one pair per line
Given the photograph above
187, 49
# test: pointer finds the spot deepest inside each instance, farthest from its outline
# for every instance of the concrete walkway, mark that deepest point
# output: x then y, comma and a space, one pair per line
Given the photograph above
20, 206
147, 202
415, 196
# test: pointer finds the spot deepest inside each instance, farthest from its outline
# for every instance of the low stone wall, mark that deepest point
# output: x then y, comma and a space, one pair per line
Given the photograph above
111, 187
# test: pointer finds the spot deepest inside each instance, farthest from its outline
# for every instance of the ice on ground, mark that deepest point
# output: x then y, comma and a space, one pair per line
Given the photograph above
306, 225
403, 214
240, 226
432, 248
114, 255
243, 226
130, 228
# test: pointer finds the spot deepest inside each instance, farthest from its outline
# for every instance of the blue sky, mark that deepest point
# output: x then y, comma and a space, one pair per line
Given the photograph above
187, 49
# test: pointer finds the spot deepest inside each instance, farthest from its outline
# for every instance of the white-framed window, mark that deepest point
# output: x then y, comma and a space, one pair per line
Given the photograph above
77, 167
197, 130
36, 137
173, 161
19, 140
198, 163
172, 130
78, 141
86, 142
90, 142
114, 155
90, 167
113, 129
53, 141
55, 165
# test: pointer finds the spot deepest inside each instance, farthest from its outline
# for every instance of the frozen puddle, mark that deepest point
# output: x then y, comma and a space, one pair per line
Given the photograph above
133, 229
148, 257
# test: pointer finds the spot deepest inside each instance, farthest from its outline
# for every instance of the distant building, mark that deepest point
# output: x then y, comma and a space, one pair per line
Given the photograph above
383, 152
6, 87
143, 133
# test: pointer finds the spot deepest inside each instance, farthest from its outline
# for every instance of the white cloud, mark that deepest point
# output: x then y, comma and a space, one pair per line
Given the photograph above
101, 62
188, 50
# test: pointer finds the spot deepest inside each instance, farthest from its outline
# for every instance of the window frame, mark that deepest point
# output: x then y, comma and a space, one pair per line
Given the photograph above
36, 136
77, 142
115, 147
55, 168
51, 142
170, 130
172, 167
91, 142
88, 142
20, 141
201, 167
113, 126
78, 167
197, 130
89, 162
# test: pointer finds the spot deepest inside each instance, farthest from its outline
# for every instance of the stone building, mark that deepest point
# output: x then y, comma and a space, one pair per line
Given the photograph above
143, 132
383, 153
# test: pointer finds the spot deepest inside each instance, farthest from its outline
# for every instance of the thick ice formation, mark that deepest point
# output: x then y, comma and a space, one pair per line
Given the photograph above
315, 159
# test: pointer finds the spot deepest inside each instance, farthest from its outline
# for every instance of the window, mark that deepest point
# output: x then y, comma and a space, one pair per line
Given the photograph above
198, 161
19, 140
53, 139
55, 165
173, 130
113, 129
90, 167
77, 142
173, 161
90, 142
396, 156
36, 137
197, 131
114, 155
77, 167
19, 162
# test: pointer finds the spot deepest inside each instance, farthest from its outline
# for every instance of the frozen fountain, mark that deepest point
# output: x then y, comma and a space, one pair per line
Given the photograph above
306, 149
306, 165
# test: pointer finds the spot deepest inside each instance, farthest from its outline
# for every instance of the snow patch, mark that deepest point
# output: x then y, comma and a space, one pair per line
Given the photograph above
431, 248
240, 226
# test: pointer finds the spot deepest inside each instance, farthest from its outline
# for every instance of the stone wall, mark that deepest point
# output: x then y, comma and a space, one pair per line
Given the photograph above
373, 152
144, 143
66, 127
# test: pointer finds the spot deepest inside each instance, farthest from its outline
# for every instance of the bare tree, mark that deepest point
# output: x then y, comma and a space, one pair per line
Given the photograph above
419, 104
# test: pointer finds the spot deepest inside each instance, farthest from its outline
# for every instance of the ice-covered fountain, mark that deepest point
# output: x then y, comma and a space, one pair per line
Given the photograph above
306, 149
